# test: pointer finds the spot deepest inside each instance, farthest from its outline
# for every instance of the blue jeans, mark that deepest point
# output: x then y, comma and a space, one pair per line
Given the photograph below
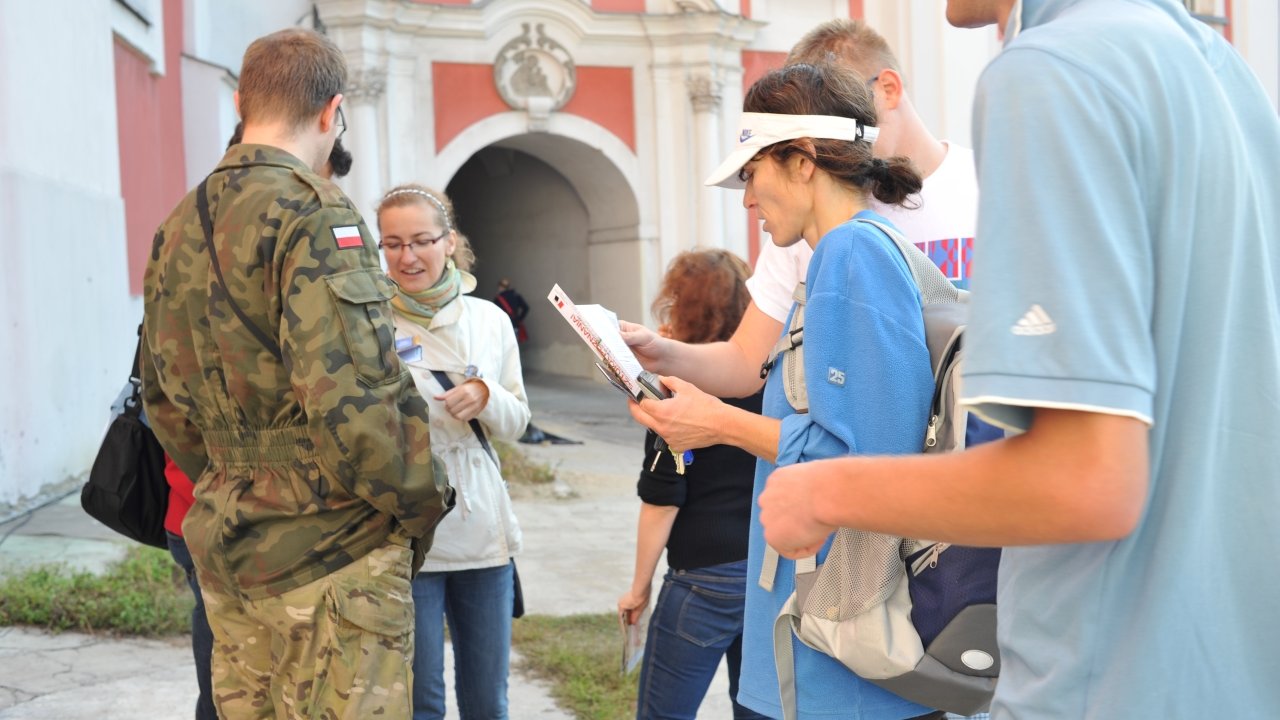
696, 621
201, 635
477, 606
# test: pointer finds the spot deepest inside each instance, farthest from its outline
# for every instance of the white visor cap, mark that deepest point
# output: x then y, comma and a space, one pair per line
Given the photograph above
760, 130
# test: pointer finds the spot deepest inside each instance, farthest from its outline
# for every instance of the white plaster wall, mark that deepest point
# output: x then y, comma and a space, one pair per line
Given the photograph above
788, 20
218, 31
216, 34
941, 63
208, 116
67, 332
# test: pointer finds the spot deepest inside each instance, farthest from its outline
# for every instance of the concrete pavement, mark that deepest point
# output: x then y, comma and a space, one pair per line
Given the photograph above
578, 552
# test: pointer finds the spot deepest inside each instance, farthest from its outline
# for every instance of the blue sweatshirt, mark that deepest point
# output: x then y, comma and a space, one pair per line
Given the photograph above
869, 382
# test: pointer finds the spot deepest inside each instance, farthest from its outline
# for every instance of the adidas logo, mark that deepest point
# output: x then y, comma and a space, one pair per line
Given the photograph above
1035, 322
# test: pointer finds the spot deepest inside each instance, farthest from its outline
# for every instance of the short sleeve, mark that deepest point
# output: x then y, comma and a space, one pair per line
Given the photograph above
1063, 281
778, 271
659, 483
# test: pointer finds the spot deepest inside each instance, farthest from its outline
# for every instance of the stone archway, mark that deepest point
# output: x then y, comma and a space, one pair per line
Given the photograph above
541, 209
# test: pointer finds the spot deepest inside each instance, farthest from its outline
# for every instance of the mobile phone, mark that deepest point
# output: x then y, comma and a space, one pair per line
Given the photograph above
652, 386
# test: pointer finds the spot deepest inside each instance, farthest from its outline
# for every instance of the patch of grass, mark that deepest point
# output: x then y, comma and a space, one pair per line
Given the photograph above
145, 594
579, 655
519, 469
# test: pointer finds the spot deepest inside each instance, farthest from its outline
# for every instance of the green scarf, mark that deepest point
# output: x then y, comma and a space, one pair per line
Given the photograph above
422, 306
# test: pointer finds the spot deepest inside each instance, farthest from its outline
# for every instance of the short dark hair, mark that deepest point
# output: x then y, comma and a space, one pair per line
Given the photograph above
290, 75
833, 89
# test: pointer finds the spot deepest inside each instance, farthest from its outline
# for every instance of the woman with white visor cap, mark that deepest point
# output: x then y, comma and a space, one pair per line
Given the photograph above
804, 159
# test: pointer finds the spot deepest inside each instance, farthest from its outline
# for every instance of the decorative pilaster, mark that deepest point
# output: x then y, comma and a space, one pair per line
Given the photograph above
365, 88
704, 95
366, 85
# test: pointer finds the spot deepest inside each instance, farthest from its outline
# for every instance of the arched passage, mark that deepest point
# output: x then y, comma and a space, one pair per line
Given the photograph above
543, 208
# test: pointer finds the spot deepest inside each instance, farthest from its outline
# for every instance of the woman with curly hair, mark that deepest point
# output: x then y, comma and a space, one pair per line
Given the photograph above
701, 517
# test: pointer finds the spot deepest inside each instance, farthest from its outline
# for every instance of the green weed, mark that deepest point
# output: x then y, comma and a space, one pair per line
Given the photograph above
144, 594
579, 655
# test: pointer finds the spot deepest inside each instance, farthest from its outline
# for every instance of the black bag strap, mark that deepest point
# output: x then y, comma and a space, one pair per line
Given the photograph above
447, 384
133, 404
206, 223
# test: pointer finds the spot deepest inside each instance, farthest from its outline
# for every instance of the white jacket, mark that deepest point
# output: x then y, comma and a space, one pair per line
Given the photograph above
482, 530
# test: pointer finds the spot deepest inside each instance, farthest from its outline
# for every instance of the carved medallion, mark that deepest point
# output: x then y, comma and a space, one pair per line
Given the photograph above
535, 74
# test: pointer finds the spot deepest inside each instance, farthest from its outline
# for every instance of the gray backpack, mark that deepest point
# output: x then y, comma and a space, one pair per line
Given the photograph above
912, 616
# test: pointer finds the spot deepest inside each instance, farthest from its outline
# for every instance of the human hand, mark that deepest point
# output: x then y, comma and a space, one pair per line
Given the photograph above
649, 347
464, 402
788, 511
632, 604
688, 420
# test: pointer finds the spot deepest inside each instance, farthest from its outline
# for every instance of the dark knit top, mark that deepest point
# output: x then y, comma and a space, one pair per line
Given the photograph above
714, 497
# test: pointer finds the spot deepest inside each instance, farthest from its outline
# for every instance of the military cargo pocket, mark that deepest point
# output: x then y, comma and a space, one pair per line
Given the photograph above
367, 326
374, 594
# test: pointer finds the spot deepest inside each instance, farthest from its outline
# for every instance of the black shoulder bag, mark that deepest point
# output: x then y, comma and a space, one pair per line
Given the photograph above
126, 489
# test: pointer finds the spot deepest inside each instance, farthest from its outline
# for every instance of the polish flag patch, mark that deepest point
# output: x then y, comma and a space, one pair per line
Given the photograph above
348, 236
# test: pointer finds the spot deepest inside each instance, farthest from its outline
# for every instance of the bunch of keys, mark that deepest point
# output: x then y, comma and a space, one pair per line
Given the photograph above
681, 458
652, 387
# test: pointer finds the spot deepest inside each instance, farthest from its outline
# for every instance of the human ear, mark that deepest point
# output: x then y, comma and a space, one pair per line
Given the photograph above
329, 115
890, 88
800, 165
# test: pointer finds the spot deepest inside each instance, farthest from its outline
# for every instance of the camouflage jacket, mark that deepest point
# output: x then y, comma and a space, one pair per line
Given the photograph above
306, 462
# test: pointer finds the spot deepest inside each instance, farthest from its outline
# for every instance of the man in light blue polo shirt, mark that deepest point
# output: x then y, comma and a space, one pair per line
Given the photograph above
1126, 316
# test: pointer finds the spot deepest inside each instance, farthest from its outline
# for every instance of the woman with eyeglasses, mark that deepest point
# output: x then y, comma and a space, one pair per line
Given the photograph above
461, 351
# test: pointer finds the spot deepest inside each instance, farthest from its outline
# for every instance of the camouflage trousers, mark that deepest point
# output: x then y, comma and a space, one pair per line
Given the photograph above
339, 647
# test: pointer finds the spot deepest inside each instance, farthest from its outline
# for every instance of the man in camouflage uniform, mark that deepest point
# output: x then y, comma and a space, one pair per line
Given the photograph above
270, 375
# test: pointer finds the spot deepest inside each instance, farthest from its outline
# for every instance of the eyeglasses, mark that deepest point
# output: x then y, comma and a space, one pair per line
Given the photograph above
342, 122
413, 245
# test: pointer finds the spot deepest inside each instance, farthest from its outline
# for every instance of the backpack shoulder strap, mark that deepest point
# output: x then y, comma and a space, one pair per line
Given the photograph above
946, 307
934, 286
792, 335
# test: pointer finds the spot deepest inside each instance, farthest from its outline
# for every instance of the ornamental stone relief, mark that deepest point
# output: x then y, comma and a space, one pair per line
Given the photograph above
366, 85
535, 74
704, 92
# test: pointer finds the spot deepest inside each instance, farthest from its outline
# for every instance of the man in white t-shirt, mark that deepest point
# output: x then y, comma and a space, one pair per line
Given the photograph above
942, 225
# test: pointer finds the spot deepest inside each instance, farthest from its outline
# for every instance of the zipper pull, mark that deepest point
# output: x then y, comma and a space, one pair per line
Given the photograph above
929, 560
931, 435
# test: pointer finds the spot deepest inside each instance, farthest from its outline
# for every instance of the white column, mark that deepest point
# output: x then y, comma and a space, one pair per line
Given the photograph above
365, 185
735, 216
704, 93
672, 188
68, 331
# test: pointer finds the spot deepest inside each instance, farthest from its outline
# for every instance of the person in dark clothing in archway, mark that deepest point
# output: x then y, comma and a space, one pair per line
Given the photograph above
514, 305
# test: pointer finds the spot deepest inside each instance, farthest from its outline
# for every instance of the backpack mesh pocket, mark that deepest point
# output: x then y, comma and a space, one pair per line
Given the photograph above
860, 572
